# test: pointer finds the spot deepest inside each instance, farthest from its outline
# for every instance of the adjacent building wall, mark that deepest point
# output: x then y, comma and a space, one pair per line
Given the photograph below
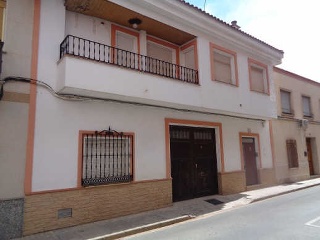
14, 107
288, 127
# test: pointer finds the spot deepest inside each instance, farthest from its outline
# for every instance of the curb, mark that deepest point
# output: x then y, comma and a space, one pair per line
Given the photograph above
144, 228
283, 193
252, 200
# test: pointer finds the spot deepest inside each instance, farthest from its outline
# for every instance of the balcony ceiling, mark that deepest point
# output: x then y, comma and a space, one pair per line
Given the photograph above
114, 13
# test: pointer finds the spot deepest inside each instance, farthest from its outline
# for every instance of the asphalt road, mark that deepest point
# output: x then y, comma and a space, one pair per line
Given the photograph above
292, 216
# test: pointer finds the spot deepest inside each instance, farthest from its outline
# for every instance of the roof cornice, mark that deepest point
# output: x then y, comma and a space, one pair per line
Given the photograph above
197, 22
296, 76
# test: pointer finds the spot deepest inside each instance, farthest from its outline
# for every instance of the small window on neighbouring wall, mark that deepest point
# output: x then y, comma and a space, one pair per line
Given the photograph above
285, 102
292, 153
306, 106
106, 158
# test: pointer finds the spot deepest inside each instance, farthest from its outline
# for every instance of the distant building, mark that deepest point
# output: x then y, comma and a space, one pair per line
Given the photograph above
297, 130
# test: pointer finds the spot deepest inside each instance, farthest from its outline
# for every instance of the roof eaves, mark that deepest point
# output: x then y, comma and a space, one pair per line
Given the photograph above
228, 25
296, 76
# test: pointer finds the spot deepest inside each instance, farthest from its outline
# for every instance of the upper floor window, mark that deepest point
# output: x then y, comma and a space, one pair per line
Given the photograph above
189, 59
223, 65
286, 102
306, 106
125, 39
160, 56
258, 76
188, 55
126, 42
162, 50
106, 158
159, 52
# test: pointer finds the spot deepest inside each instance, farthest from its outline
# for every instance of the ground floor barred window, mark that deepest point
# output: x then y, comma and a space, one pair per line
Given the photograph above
107, 157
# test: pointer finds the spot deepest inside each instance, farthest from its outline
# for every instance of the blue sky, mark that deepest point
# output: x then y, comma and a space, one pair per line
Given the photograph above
289, 25
218, 8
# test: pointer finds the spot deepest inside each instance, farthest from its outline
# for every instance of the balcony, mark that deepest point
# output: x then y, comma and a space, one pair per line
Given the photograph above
87, 49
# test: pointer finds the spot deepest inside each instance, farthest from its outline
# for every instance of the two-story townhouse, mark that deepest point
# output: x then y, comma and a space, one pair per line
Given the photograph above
296, 131
16, 25
136, 104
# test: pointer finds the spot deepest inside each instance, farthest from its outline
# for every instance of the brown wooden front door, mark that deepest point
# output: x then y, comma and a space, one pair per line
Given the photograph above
193, 162
250, 163
310, 160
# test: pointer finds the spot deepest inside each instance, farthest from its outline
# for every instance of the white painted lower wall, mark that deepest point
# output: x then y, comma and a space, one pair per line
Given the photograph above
57, 129
16, 61
13, 141
289, 129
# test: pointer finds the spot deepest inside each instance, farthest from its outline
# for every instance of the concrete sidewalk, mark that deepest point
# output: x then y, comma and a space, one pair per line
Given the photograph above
180, 211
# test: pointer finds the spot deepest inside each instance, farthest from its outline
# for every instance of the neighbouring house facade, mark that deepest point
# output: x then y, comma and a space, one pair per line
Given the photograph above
16, 31
132, 105
296, 131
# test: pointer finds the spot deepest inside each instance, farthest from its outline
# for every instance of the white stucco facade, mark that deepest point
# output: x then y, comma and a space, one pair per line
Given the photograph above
107, 81
56, 167
46, 124
58, 122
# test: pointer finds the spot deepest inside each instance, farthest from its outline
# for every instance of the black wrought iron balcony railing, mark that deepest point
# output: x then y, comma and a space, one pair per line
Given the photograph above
88, 49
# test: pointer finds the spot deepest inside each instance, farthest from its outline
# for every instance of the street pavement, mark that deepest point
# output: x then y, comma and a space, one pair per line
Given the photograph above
295, 215
178, 212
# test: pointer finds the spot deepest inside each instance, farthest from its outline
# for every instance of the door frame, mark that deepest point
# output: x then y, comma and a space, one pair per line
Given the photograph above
314, 155
191, 156
256, 138
192, 123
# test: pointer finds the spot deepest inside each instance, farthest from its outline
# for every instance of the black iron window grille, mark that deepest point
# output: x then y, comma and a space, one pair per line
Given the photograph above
106, 158
84, 48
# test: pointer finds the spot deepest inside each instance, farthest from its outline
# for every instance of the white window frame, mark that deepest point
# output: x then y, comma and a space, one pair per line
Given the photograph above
183, 56
255, 64
310, 115
128, 36
106, 159
290, 110
233, 64
173, 51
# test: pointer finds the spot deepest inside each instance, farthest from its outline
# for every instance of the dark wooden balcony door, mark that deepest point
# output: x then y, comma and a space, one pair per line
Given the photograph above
193, 162
250, 163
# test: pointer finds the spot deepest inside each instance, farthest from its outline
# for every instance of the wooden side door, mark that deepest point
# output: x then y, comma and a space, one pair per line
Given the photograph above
310, 159
250, 163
